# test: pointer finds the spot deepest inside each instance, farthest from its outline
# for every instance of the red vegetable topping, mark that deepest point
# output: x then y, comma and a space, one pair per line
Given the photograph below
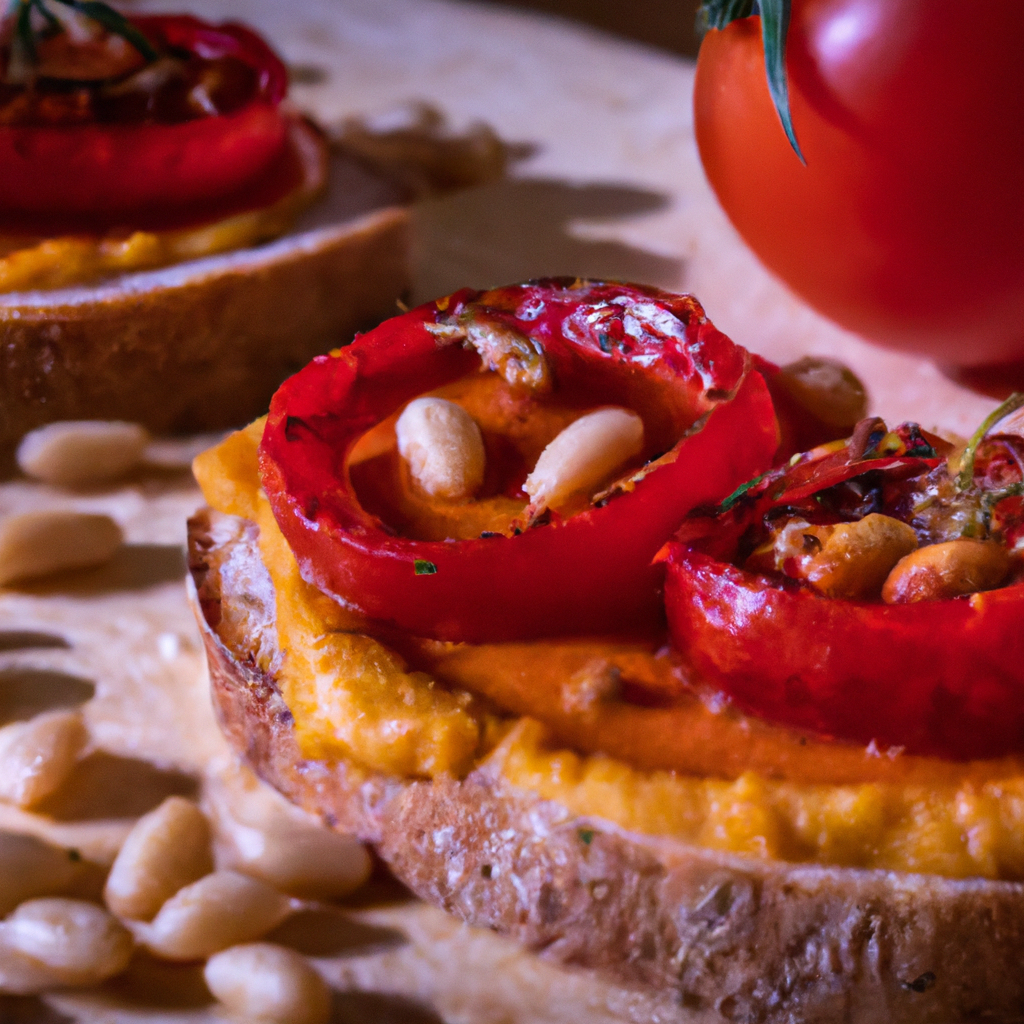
941, 676
195, 126
708, 423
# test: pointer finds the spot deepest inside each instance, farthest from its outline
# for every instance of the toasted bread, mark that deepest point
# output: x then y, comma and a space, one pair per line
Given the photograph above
722, 937
203, 344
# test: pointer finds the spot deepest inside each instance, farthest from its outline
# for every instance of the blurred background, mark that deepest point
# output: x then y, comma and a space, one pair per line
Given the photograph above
666, 24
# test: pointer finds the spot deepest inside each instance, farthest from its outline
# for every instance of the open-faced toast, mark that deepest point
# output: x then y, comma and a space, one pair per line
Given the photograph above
725, 938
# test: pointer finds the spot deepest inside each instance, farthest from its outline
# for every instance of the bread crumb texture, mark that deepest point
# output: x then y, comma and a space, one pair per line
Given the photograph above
353, 697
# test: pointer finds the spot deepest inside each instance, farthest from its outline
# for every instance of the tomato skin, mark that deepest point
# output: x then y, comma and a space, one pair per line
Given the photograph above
126, 171
905, 223
589, 573
942, 678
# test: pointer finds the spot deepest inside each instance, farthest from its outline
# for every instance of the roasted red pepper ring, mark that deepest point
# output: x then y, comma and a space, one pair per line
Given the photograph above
648, 350
943, 678
111, 171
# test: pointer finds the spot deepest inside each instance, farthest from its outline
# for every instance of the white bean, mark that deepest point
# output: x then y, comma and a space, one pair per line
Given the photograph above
36, 757
584, 455
267, 983
220, 910
79, 452
443, 448
54, 942
165, 851
37, 543
261, 834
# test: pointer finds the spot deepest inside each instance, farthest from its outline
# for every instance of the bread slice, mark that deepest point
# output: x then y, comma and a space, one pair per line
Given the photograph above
204, 344
716, 937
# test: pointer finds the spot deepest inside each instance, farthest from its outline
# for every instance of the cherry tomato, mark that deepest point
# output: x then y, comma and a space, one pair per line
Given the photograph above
905, 225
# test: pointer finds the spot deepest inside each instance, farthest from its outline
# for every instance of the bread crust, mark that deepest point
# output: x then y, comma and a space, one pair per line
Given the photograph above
716, 937
204, 344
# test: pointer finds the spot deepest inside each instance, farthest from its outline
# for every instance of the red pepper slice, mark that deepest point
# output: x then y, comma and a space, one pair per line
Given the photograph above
943, 678
600, 344
116, 173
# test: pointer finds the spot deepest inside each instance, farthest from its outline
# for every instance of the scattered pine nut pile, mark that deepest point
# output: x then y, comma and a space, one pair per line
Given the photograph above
146, 875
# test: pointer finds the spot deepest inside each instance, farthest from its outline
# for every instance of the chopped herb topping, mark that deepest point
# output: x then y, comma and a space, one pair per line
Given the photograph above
966, 475
586, 836
423, 568
739, 492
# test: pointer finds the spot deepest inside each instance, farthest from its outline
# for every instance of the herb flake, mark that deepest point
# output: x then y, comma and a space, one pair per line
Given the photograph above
421, 567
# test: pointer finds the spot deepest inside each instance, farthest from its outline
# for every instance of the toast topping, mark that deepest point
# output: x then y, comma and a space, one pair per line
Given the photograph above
870, 590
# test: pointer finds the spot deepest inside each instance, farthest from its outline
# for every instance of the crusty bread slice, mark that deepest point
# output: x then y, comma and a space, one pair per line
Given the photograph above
204, 344
713, 936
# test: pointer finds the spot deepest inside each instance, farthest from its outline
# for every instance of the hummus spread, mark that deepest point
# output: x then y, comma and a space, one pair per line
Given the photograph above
352, 696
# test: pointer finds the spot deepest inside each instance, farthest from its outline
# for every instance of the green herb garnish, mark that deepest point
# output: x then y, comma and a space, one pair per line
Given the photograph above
101, 13
586, 835
739, 492
965, 477
774, 29
423, 568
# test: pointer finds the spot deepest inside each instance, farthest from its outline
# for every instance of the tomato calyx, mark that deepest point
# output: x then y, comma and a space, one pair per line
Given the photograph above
551, 349
867, 591
774, 14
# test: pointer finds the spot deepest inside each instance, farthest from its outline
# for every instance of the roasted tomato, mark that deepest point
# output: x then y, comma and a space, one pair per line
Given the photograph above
904, 224
125, 126
869, 591
548, 352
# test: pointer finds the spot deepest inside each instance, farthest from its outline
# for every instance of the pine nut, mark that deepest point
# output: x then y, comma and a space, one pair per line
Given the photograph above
856, 557
259, 833
79, 452
941, 571
266, 983
443, 448
827, 389
165, 851
37, 756
66, 942
29, 868
584, 455
37, 543
220, 910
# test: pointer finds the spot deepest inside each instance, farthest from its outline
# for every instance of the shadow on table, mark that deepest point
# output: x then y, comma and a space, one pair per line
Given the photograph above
133, 567
519, 228
26, 692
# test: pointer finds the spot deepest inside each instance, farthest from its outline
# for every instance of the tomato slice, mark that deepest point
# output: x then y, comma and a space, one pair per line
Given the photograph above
942, 678
118, 173
595, 344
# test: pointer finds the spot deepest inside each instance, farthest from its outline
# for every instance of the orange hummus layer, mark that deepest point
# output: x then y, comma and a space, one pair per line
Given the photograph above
31, 263
749, 788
